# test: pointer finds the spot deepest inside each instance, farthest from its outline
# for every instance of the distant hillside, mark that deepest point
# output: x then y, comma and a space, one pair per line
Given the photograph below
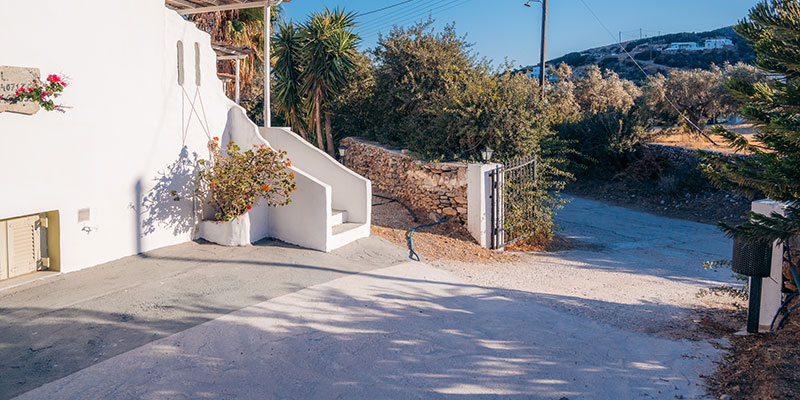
652, 55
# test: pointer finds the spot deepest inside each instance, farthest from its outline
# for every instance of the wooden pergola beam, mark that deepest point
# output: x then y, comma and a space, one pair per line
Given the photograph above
183, 8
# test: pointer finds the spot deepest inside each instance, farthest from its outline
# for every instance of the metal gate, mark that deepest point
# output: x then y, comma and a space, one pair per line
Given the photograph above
513, 198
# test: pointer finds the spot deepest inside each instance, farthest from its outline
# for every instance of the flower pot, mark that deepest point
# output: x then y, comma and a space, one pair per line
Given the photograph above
235, 232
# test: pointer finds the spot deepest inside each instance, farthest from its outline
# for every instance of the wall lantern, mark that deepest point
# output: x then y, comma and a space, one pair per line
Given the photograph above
342, 151
486, 153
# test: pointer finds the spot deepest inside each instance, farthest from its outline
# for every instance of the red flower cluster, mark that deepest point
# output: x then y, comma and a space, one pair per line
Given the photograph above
216, 139
40, 93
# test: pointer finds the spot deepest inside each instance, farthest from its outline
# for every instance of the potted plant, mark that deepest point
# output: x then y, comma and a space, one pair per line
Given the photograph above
237, 181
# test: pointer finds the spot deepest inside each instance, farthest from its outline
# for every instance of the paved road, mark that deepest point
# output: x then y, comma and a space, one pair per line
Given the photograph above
632, 270
360, 324
55, 327
404, 332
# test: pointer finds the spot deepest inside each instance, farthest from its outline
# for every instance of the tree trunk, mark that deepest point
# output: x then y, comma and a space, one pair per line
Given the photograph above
317, 122
297, 125
329, 134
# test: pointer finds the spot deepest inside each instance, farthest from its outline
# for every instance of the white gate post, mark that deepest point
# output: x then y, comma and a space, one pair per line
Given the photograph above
771, 296
479, 205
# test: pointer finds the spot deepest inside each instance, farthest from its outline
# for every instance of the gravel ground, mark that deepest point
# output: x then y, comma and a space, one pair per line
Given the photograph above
446, 241
629, 269
410, 331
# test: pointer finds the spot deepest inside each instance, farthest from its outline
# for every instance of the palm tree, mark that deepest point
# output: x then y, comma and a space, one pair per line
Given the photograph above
328, 52
289, 98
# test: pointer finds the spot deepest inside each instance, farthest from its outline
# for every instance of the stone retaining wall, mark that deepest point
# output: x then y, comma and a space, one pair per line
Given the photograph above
435, 187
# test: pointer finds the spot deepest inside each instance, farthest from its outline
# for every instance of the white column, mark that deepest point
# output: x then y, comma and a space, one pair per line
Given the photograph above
238, 68
479, 205
267, 111
771, 296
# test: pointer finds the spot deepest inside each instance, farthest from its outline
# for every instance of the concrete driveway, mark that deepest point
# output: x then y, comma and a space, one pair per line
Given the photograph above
398, 330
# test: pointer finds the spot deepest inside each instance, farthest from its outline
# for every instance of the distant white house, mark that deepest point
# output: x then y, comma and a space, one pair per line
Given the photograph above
709, 44
683, 46
717, 43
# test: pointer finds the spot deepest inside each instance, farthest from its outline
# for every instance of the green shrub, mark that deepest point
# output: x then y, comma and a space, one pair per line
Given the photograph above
238, 180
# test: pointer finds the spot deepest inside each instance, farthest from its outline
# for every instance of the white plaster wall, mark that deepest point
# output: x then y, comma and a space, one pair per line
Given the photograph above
350, 191
771, 295
304, 221
118, 150
479, 203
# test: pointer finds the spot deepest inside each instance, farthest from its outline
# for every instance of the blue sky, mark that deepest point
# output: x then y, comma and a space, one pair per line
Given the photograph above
505, 28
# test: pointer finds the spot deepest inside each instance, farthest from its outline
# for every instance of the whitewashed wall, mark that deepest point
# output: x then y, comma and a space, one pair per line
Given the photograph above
129, 138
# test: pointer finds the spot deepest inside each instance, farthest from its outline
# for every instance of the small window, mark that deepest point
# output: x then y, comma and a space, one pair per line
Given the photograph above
180, 63
197, 63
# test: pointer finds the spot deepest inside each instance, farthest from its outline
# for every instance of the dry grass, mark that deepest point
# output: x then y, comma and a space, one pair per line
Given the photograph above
761, 366
680, 138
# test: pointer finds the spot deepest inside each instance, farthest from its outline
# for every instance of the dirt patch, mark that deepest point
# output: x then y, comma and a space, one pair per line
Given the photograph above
680, 138
539, 244
761, 366
714, 317
708, 207
449, 240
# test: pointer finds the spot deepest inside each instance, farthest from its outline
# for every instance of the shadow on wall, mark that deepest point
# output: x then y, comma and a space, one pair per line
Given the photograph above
170, 203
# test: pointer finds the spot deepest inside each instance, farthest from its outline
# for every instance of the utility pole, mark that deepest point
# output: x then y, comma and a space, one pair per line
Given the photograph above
544, 36
640, 33
267, 66
267, 100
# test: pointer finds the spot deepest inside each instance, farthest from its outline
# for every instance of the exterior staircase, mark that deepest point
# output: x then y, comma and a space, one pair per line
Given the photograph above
332, 204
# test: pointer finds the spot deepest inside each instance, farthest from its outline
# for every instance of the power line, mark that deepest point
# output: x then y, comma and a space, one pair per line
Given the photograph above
381, 21
433, 11
386, 18
681, 113
398, 18
382, 8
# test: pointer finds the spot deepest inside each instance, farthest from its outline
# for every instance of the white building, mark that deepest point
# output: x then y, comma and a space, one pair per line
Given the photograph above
96, 183
709, 44
717, 43
683, 46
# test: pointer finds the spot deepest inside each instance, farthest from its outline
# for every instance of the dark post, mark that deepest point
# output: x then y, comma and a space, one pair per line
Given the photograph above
544, 35
754, 304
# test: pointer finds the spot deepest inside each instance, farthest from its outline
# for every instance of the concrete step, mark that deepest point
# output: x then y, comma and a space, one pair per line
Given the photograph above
339, 217
347, 226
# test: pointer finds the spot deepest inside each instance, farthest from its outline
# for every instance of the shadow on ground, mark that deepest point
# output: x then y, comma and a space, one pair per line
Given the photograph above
390, 336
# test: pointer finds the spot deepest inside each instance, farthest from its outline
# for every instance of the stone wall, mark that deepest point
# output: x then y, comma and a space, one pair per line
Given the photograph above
433, 187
